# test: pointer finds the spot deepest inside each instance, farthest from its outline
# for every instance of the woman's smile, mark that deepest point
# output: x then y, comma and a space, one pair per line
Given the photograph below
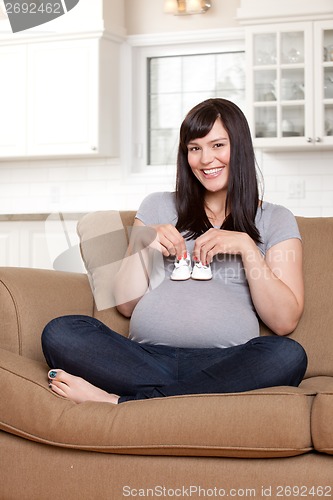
209, 158
212, 172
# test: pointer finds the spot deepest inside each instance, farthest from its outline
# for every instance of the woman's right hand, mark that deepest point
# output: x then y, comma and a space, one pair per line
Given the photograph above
133, 278
170, 241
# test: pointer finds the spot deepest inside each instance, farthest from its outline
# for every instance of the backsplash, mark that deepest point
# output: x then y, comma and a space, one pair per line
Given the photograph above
301, 181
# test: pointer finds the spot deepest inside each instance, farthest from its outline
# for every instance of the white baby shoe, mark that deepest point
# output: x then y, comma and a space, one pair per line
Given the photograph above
182, 270
201, 272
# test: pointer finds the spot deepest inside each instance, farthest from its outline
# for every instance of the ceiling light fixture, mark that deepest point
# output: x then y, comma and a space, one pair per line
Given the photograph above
186, 7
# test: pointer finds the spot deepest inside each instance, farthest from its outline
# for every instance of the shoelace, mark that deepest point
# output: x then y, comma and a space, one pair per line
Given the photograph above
182, 262
201, 265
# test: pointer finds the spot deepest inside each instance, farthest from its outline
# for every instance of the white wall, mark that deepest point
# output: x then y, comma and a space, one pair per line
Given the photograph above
301, 181
79, 185
147, 16
83, 185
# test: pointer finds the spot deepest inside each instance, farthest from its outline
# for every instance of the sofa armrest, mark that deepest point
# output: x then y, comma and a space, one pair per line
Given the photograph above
30, 298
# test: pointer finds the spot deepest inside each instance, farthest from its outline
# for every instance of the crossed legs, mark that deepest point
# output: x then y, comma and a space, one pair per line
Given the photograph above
89, 361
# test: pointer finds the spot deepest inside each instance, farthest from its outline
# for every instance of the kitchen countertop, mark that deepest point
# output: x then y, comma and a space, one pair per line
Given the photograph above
40, 217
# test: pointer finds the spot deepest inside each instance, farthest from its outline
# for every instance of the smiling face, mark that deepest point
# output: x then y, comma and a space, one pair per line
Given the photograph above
209, 158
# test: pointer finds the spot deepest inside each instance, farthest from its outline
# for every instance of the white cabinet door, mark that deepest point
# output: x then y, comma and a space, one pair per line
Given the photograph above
63, 98
60, 98
323, 35
9, 243
13, 100
289, 104
44, 244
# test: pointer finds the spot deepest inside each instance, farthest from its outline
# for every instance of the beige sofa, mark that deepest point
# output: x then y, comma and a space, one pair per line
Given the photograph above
274, 442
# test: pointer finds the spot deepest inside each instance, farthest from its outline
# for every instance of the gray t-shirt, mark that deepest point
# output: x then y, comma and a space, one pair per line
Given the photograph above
215, 313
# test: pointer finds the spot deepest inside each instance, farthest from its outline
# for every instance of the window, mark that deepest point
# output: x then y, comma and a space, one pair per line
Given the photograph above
176, 84
167, 74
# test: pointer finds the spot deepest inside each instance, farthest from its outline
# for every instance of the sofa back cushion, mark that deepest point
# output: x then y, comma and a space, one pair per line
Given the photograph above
315, 329
103, 242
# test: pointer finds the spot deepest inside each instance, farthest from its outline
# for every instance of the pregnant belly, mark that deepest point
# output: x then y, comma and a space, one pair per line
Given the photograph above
195, 314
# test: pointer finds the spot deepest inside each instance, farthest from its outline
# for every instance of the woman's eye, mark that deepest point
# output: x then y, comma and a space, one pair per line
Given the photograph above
218, 145
193, 148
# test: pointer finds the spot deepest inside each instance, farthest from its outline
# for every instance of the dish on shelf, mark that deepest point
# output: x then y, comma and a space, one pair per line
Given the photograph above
291, 133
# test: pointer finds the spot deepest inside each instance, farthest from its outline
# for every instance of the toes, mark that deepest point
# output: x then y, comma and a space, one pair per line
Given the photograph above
53, 374
59, 375
57, 382
55, 388
58, 389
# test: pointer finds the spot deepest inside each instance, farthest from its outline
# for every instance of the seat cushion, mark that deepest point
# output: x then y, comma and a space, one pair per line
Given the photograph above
321, 424
265, 423
318, 384
322, 414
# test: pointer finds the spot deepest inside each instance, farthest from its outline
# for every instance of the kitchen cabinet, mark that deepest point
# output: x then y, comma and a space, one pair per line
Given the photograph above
290, 84
58, 99
43, 242
13, 100
9, 245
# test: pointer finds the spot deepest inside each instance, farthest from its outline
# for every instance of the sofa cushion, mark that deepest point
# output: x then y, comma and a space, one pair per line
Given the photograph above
314, 330
265, 423
103, 243
30, 298
321, 422
318, 384
322, 412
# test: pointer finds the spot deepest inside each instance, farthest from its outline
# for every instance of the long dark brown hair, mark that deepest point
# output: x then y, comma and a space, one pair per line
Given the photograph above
242, 193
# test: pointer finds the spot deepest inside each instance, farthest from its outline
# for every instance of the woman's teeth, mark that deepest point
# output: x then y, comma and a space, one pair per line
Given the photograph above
212, 171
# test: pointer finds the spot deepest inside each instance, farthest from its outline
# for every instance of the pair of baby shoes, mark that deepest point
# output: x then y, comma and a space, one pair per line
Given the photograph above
183, 270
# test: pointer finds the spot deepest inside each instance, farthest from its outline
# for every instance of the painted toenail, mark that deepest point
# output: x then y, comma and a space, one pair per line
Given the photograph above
52, 374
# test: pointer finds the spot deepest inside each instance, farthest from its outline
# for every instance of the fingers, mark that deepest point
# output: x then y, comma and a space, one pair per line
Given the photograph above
206, 246
204, 254
218, 241
163, 237
171, 241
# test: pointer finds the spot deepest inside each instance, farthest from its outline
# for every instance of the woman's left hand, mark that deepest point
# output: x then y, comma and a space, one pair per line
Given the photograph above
216, 241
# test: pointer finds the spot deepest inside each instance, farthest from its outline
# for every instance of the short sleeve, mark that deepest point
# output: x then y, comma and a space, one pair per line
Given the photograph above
158, 208
278, 224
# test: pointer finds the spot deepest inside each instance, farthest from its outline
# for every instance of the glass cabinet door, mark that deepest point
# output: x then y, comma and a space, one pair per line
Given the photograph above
290, 84
327, 73
279, 84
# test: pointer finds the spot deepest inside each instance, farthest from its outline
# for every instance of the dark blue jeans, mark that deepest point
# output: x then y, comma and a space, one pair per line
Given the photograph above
85, 347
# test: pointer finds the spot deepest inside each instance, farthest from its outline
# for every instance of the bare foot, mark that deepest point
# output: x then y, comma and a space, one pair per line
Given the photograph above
77, 389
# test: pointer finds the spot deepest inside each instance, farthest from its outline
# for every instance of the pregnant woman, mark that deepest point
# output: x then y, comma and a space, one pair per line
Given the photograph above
220, 260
